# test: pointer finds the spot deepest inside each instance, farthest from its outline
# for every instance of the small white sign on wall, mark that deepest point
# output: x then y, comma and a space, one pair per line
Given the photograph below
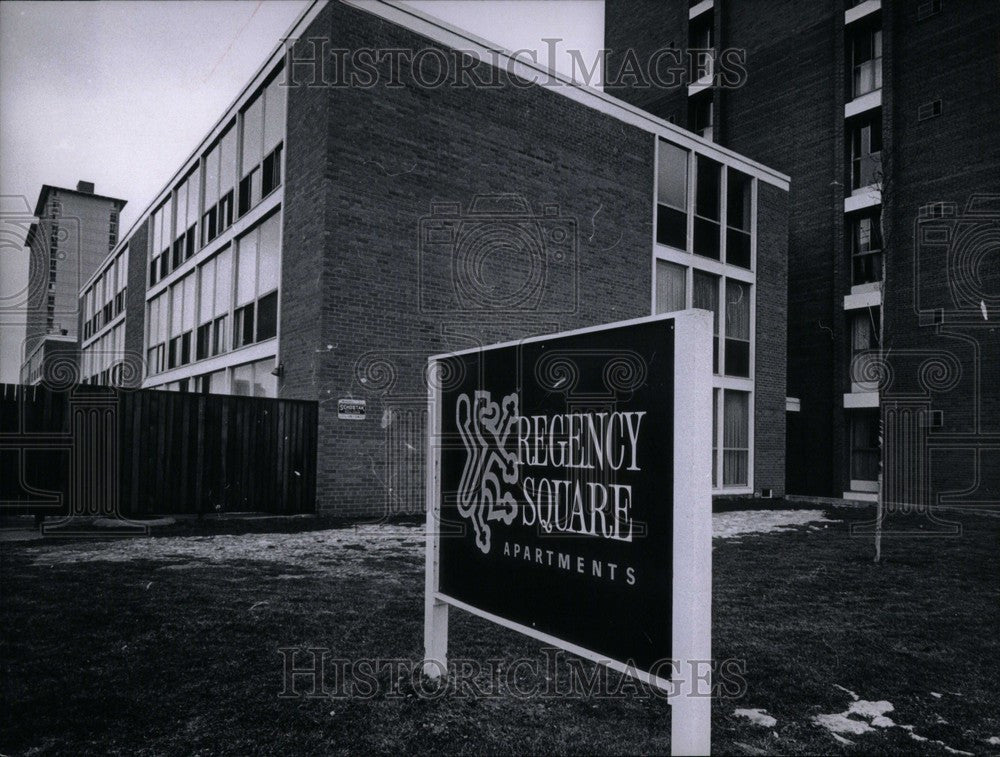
351, 410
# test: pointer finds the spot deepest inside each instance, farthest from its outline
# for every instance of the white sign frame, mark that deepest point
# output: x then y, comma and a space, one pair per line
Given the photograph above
691, 613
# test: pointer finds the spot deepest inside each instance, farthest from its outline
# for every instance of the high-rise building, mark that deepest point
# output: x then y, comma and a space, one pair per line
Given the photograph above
341, 223
72, 235
885, 116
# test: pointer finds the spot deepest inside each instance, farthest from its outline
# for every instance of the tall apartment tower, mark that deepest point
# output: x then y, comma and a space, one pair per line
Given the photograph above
74, 231
885, 114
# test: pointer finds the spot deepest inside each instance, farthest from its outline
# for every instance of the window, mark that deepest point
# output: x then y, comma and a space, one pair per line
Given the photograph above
212, 383
737, 359
866, 151
185, 245
864, 340
671, 287
222, 299
263, 132
243, 326
735, 438
257, 274
271, 173
671, 196
866, 249
929, 110
866, 61
701, 114
738, 210
160, 224
928, 9
204, 342
255, 379
206, 302
706, 209
220, 179
705, 295
267, 316
243, 380
700, 38
865, 456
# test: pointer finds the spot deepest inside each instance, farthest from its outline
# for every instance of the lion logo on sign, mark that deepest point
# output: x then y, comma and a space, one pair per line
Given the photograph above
485, 426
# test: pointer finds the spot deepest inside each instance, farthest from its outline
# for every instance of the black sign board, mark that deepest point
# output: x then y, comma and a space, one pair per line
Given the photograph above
557, 467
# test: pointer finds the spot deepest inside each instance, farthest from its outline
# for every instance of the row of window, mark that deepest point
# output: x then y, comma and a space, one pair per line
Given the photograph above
864, 152
247, 380
705, 233
228, 302
241, 168
104, 299
100, 360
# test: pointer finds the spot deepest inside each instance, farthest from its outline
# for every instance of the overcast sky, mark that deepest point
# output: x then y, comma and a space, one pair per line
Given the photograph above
120, 93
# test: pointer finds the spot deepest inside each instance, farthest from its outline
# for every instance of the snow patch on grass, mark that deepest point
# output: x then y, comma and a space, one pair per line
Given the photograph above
362, 550
863, 716
740, 522
757, 717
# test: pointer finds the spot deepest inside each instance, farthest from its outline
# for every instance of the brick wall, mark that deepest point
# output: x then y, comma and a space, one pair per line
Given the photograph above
951, 367
772, 312
364, 303
135, 307
640, 28
789, 114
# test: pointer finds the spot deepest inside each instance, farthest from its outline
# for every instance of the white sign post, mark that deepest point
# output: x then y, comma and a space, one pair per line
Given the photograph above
690, 564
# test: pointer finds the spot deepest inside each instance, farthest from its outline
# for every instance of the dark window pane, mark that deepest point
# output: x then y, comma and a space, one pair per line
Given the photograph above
738, 248
671, 227
706, 238
164, 263
271, 177
737, 357
178, 253
173, 352
244, 198
204, 340
190, 241
267, 316
186, 348
707, 190
738, 201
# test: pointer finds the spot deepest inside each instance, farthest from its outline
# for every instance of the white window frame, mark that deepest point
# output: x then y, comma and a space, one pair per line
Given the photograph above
723, 270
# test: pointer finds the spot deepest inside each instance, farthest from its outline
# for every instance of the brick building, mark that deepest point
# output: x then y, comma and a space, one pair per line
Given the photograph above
884, 114
71, 236
332, 231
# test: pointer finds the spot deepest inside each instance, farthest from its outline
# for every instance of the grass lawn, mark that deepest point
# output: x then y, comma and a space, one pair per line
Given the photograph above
170, 646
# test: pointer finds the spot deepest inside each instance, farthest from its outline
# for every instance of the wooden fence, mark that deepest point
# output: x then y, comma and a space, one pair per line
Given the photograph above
101, 451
